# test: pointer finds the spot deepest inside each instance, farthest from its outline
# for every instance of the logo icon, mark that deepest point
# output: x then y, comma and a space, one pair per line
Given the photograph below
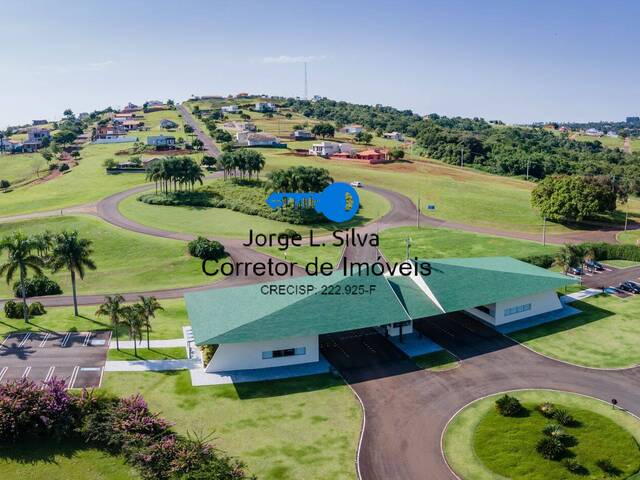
331, 202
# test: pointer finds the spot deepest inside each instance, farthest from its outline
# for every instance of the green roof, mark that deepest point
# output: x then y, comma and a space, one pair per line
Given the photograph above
461, 283
246, 314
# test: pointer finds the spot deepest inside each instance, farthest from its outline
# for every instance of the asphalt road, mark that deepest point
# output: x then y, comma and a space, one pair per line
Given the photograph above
204, 138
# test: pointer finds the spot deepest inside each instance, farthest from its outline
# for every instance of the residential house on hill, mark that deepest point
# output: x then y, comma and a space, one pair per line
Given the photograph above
130, 107
249, 139
166, 123
265, 107
38, 122
394, 136
162, 142
302, 135
351, 129
374, 155
229, 109
330, 149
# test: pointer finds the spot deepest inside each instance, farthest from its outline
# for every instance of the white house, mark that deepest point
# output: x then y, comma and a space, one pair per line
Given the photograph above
265, 107
394, 136
328, 149
592, 132
280, 323
229, 109
351, 129
251, 139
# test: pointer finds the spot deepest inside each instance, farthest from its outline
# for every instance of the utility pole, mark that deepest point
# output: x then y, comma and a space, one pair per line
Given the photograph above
544, 231
408, 247
418, 213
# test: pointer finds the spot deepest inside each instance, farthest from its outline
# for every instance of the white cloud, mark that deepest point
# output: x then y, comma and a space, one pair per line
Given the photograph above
285, 59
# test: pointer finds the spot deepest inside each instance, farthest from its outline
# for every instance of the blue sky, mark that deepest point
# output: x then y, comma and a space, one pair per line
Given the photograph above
518, 61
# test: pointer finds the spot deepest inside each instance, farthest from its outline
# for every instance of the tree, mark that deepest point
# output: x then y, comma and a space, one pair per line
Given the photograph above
20, 258
562, 197
188, 129
133, 320
569, 256
323, 130
208, 161
72, 253
206, 249
223, 136
363, 137
197, 144
396, 154
68, 113
150, 306
112, 308
47, 155
64, 137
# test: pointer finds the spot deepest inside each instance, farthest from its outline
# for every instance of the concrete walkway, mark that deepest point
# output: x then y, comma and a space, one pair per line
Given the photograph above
581, 295
174, 342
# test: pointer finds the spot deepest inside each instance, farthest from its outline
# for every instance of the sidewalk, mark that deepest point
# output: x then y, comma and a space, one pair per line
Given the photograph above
174, 342
581, 295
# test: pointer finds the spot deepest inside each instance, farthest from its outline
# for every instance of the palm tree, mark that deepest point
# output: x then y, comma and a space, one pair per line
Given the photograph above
133, 319
112, 308
150, 306
20, 258
73, 254
568, 256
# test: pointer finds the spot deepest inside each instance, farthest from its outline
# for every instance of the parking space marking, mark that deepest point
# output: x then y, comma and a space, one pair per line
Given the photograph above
101, 375
65, 340
44, 340
24, 340
26, 372
74, 375
87, 339
3, 372
49, 374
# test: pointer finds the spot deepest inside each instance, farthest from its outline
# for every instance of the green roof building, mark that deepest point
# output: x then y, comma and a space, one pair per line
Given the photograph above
278, 323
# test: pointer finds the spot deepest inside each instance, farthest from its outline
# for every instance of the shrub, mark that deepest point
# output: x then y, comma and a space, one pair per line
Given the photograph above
508, 406
36, 309
207, 353
546, 409
553, 430
5, 183
37, 286
542, 261
13, 310
206, 249
564, 418
607, 466
550, 448
290, 233
574, 467
110, 163
63, 167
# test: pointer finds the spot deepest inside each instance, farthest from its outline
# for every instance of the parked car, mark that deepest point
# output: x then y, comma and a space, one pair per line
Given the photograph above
636, 284
625, 287
611, 290
575, 270
630, 287
597, 266
356, 184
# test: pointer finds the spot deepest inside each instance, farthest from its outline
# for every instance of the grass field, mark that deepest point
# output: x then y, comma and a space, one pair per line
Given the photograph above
222, 222
305, 254
126, 261
480, 444
611, 142
621, 263
285, 430
604, 335
71, 460
172, 353
631, 237
22, 167
442, 243
167, 324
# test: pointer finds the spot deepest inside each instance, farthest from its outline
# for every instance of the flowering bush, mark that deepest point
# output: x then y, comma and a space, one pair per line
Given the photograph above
122, 426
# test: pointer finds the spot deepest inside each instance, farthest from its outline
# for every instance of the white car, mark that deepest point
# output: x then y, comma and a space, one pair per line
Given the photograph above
356, 184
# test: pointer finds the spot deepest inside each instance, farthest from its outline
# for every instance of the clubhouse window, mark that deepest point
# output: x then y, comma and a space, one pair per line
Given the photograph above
286, 352
518, 309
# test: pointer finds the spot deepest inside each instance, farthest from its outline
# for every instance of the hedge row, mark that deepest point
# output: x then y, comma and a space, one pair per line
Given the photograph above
601, 250
37, 286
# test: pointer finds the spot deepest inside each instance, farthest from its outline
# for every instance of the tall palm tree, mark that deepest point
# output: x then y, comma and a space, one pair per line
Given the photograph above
72, 253
133, 319
20, 258
150, 306
112, 308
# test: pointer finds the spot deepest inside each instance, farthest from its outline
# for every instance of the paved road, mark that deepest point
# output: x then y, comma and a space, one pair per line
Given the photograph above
204, 138
407, 409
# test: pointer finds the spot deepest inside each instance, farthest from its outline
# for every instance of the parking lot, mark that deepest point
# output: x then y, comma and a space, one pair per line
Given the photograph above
611, 277
76, 357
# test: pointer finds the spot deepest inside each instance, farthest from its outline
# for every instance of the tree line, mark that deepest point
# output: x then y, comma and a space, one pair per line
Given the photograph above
181, 173
242, 163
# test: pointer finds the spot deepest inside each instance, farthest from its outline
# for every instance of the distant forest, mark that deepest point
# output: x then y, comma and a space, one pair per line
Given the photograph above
488, 146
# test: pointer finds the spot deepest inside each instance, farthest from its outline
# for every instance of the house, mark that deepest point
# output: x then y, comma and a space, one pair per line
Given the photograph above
330, 149
265, 107
316, 98
154, 103
592, 132
148, 162
242, 95
397, 136
229, 109
285, 330
130, 107
302, 135
35, 137
129, 125
83, 115
612, 134
35, 123
351, 129
244, 126
166, 123
8, 146
249, 139
374, 155
162, 142
110, 130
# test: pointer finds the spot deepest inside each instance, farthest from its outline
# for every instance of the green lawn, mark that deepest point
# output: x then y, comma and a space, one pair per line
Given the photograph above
605, 335
299, 428
22, 167
167, 324
126, 261
621, 263
71, 460
437, 361
480, 444
441, 243
173, 353
222, 222
632, 237
306, 254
